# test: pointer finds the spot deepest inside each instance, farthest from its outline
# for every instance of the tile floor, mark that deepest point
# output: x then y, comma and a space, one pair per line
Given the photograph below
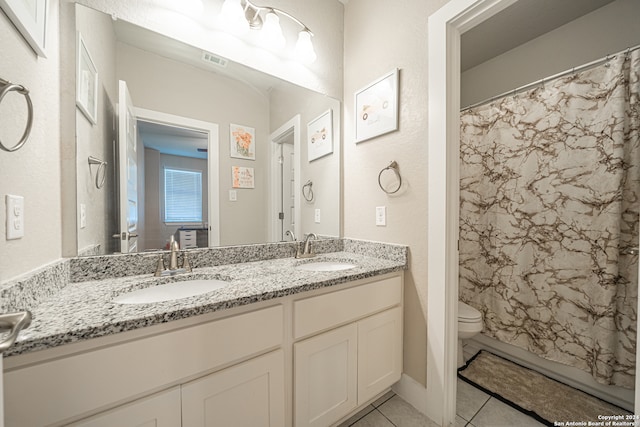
474, 408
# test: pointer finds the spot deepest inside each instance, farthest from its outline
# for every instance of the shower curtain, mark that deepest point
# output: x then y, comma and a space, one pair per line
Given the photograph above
550, 196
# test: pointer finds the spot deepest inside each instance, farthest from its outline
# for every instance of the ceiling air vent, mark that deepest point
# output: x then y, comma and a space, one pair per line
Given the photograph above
214, 59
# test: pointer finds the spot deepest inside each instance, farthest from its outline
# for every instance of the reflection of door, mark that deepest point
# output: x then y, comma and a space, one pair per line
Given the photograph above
284, 206
286, 184
128, 167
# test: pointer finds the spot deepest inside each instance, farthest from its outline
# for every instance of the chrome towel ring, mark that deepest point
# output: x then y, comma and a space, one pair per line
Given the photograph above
6, 87
393, 166
101, 173
307, 191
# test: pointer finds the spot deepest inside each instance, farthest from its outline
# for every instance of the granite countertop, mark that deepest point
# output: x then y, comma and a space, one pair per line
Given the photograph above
86, 310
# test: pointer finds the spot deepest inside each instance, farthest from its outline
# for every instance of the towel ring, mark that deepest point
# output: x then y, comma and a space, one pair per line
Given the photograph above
308, 194
394, 167
5, 88
101, 173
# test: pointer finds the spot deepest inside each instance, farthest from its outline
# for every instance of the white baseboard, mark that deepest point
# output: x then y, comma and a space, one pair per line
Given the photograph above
568, 375
412, 392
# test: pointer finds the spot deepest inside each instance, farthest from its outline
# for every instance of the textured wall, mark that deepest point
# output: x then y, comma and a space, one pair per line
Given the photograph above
34, 171
380, 36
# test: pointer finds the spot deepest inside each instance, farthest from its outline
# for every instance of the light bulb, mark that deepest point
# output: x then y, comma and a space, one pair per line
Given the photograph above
232, 18
304, 47
272, 32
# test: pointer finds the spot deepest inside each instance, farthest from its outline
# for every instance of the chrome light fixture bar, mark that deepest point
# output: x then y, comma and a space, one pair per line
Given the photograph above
240, 15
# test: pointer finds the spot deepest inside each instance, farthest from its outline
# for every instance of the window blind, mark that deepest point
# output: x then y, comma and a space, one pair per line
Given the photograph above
182, 195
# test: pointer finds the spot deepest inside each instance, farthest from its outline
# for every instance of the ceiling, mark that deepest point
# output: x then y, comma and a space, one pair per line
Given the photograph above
173, 140
521, 22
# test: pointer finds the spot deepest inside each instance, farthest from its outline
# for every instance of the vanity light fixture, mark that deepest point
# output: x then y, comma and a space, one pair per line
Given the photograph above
237, 16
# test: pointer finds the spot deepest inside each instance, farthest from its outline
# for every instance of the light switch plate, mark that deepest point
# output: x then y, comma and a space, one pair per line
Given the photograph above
15, 217
317, 216
233, 195
381, 216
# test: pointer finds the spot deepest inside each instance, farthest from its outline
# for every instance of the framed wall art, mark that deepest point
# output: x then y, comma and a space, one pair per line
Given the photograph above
30, 18
242, 177
320, 136
376, 107
243, 142
87, 83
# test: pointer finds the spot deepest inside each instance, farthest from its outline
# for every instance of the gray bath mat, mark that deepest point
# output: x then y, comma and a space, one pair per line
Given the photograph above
530, 392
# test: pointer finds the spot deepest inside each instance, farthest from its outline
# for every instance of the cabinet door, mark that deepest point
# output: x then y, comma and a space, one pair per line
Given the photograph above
325, 377
379, 353
159, 410
250, 394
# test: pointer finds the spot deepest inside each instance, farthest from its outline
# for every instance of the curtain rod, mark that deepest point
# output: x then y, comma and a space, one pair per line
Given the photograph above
553, 77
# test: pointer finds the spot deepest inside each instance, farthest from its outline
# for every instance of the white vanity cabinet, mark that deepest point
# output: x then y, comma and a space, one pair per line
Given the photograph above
158, 410
249, 394
340, 369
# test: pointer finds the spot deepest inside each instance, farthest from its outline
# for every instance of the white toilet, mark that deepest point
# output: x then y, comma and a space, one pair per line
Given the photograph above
469, 325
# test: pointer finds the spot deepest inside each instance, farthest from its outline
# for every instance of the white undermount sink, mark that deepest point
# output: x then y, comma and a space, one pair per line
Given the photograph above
326, 266
170, 291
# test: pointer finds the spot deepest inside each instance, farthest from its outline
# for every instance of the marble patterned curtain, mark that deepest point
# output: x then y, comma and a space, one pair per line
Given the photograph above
550, 196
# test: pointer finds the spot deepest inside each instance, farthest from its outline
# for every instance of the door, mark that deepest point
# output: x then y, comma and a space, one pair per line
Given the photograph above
325, 375
286, 186
128, 171
250, 394
379, 353
159, 410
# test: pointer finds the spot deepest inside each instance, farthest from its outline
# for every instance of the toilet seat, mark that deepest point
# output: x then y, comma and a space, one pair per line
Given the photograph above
468, 314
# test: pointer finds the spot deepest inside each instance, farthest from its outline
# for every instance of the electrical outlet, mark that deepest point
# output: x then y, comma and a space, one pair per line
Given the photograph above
15, 217
317, 216
83, 215
233, 195
381, 216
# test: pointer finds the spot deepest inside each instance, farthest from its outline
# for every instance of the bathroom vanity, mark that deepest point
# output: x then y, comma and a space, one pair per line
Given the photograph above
280, 346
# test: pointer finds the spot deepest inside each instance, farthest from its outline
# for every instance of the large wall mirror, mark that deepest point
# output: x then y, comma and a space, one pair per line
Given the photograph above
185, 143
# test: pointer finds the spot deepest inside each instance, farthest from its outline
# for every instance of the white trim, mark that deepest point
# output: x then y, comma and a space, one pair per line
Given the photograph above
211, 129
292, 124
412, 392
445, 27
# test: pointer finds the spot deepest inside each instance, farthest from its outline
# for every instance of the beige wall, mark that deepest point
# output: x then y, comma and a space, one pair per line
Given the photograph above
323, 172
606, 30
33, 171
380, 36
97, 140
167, 86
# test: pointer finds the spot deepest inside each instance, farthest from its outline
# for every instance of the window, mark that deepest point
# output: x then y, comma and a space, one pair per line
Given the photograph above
182, 195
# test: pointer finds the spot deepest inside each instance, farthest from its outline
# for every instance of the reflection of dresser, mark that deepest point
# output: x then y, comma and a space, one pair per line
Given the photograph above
193, 238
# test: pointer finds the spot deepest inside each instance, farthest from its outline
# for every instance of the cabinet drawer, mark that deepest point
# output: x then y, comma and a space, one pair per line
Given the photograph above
323, 312
85, 382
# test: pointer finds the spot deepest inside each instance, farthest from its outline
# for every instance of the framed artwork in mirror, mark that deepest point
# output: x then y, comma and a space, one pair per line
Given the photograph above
320, 136
243, 142
87, 83
242, 177
30, 18
377, 107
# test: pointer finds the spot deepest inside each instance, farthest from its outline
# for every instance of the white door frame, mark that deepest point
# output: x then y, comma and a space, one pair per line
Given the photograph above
445, 28
292, 124
211, 129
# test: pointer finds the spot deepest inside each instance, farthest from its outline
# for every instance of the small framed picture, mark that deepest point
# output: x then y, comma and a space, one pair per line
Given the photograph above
87, 83
30, 18
320, 136
243, 142
377, 107
242, 177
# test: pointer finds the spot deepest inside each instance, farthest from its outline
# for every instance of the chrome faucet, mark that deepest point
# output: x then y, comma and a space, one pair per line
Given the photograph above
173, 260
290, 233
307, 251
173, 269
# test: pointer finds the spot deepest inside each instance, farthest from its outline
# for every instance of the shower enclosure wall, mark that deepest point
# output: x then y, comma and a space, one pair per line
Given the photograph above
550, 198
